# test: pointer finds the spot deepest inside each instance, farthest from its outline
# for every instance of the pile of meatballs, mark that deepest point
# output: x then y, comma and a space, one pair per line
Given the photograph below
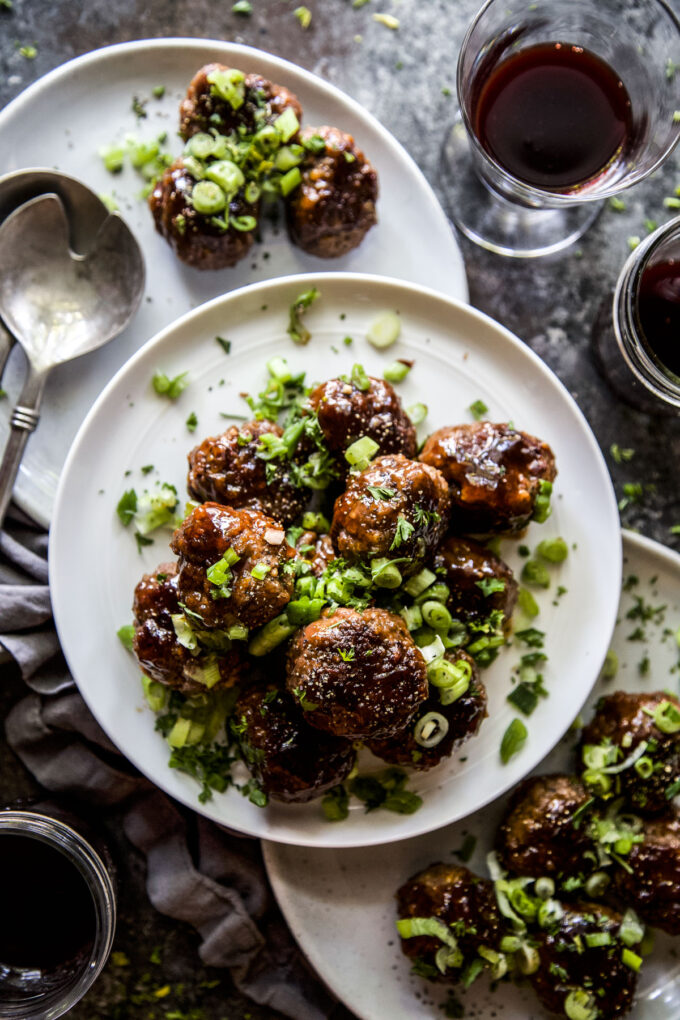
245, 147
321, 632
586, 860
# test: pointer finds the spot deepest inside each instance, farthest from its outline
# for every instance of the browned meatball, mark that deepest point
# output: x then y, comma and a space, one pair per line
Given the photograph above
203, 108
346, 413
538, 836
290, 761
157, 648
599, 971
200, 241
464, 902
653, 888
331, 211
226, 469
243, 597
405, 520
468, 569
463, 717
625, 720
358, 675
494, 473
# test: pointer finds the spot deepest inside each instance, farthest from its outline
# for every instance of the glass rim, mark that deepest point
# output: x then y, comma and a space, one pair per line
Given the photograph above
94, 872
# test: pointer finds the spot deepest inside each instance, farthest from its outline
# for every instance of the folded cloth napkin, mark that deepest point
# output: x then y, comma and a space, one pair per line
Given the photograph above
221, 890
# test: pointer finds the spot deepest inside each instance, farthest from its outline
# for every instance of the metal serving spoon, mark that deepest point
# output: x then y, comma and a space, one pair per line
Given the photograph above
58, 304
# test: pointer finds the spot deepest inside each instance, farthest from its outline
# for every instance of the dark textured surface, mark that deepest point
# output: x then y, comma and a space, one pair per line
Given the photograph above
404, 77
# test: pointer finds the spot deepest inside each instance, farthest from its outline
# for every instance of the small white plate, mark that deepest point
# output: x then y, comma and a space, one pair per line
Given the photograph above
340, 905
68, 115
460, 355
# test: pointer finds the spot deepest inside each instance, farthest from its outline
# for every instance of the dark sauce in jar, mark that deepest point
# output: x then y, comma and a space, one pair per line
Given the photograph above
658, 310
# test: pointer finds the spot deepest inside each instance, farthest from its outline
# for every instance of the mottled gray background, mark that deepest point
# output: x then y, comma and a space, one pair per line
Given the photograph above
403, 77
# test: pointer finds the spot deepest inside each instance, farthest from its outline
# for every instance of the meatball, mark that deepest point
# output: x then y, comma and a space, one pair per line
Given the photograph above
333, 208
357, 675
463, 718
396, 508
567, 968
290, 761
204, 108
157, 648
232, 566
226, 469
346, 413
464, 902
468, 568
495, 475
653, 887
204, 242
537, 835
625, 720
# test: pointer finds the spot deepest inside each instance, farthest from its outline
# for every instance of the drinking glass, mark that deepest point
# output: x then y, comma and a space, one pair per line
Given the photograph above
640, 41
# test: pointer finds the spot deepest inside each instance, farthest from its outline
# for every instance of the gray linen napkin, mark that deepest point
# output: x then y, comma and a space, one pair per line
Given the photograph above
224, 893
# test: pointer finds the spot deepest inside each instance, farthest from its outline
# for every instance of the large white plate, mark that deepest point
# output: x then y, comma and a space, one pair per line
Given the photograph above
460, 355
340, 905
67, 116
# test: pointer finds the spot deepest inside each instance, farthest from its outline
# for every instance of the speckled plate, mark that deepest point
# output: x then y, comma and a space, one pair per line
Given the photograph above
460, 355
68, 115
340, 906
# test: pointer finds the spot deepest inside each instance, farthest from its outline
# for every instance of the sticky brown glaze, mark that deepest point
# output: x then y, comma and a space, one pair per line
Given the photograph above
317, 550
461, 900
494, 473
621, 718
462, 563
653, 888
226, 469
264, 101
365, 527
537, 835
156, 648
203, 538
565, 964
194, 238
374, 690
347, 413
291, 761
464, 716
331, 211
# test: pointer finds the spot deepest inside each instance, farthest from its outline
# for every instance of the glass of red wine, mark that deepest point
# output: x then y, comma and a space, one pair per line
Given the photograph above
563, 103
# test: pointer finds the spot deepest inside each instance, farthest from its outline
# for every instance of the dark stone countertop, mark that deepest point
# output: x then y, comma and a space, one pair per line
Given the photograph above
407, 79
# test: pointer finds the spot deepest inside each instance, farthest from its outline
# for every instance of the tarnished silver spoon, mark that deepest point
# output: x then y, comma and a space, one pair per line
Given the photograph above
58, 304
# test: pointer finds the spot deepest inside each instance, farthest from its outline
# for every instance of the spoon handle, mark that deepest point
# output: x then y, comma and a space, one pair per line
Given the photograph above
24, 419
6, 344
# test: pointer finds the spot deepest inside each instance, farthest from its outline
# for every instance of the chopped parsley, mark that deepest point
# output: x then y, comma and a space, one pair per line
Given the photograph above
191, 422
127, 507
478, 409
466, 849
489, 585
224, 344
379, 492
138, 107
348, 655
403, 532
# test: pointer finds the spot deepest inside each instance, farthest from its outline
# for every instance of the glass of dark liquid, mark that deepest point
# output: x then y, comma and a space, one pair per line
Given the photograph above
563, 103
58, 915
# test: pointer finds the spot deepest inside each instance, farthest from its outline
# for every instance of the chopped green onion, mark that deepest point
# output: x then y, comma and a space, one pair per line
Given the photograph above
580, 1005
156, 694
113, 157
361, 452
524, 697
535, 574
597, 939
542, 502
126, 635
513, 740
631, 931
417, 584
242, 7
555, 550
207, 198
359, 378
171, 388
666, 717
544, 888
288, 157
315, 522
229, 85
243, 223
396, 372
304, 16
644, 767
527, 603
287, 124
388, 20
335, 804
412, 927
290, 181
412, 617
183, 632
260, 571
201, 145
271, 635
384, 330
298, 333
442, 673
436, 615
631, 959
227, 175
434, 649
528, 959
610, 665
417, 413
430, 729
385, 573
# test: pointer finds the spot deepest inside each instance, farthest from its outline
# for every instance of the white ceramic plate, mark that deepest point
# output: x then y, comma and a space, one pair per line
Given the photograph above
68, 115
460, 356
340, 905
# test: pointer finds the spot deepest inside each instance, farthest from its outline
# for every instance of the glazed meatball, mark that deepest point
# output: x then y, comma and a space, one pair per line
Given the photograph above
346, 413
291, 761
465, 566
653, 888
331, 211
200, 241
262, 102
463, 718
357, 675
494, 473
625, 720
251, 589
405, 520
538, 836
156, 646
598, 972
226, 469
464, 902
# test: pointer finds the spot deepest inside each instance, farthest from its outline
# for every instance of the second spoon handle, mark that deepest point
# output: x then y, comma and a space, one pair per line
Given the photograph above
6, 344
24, 419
